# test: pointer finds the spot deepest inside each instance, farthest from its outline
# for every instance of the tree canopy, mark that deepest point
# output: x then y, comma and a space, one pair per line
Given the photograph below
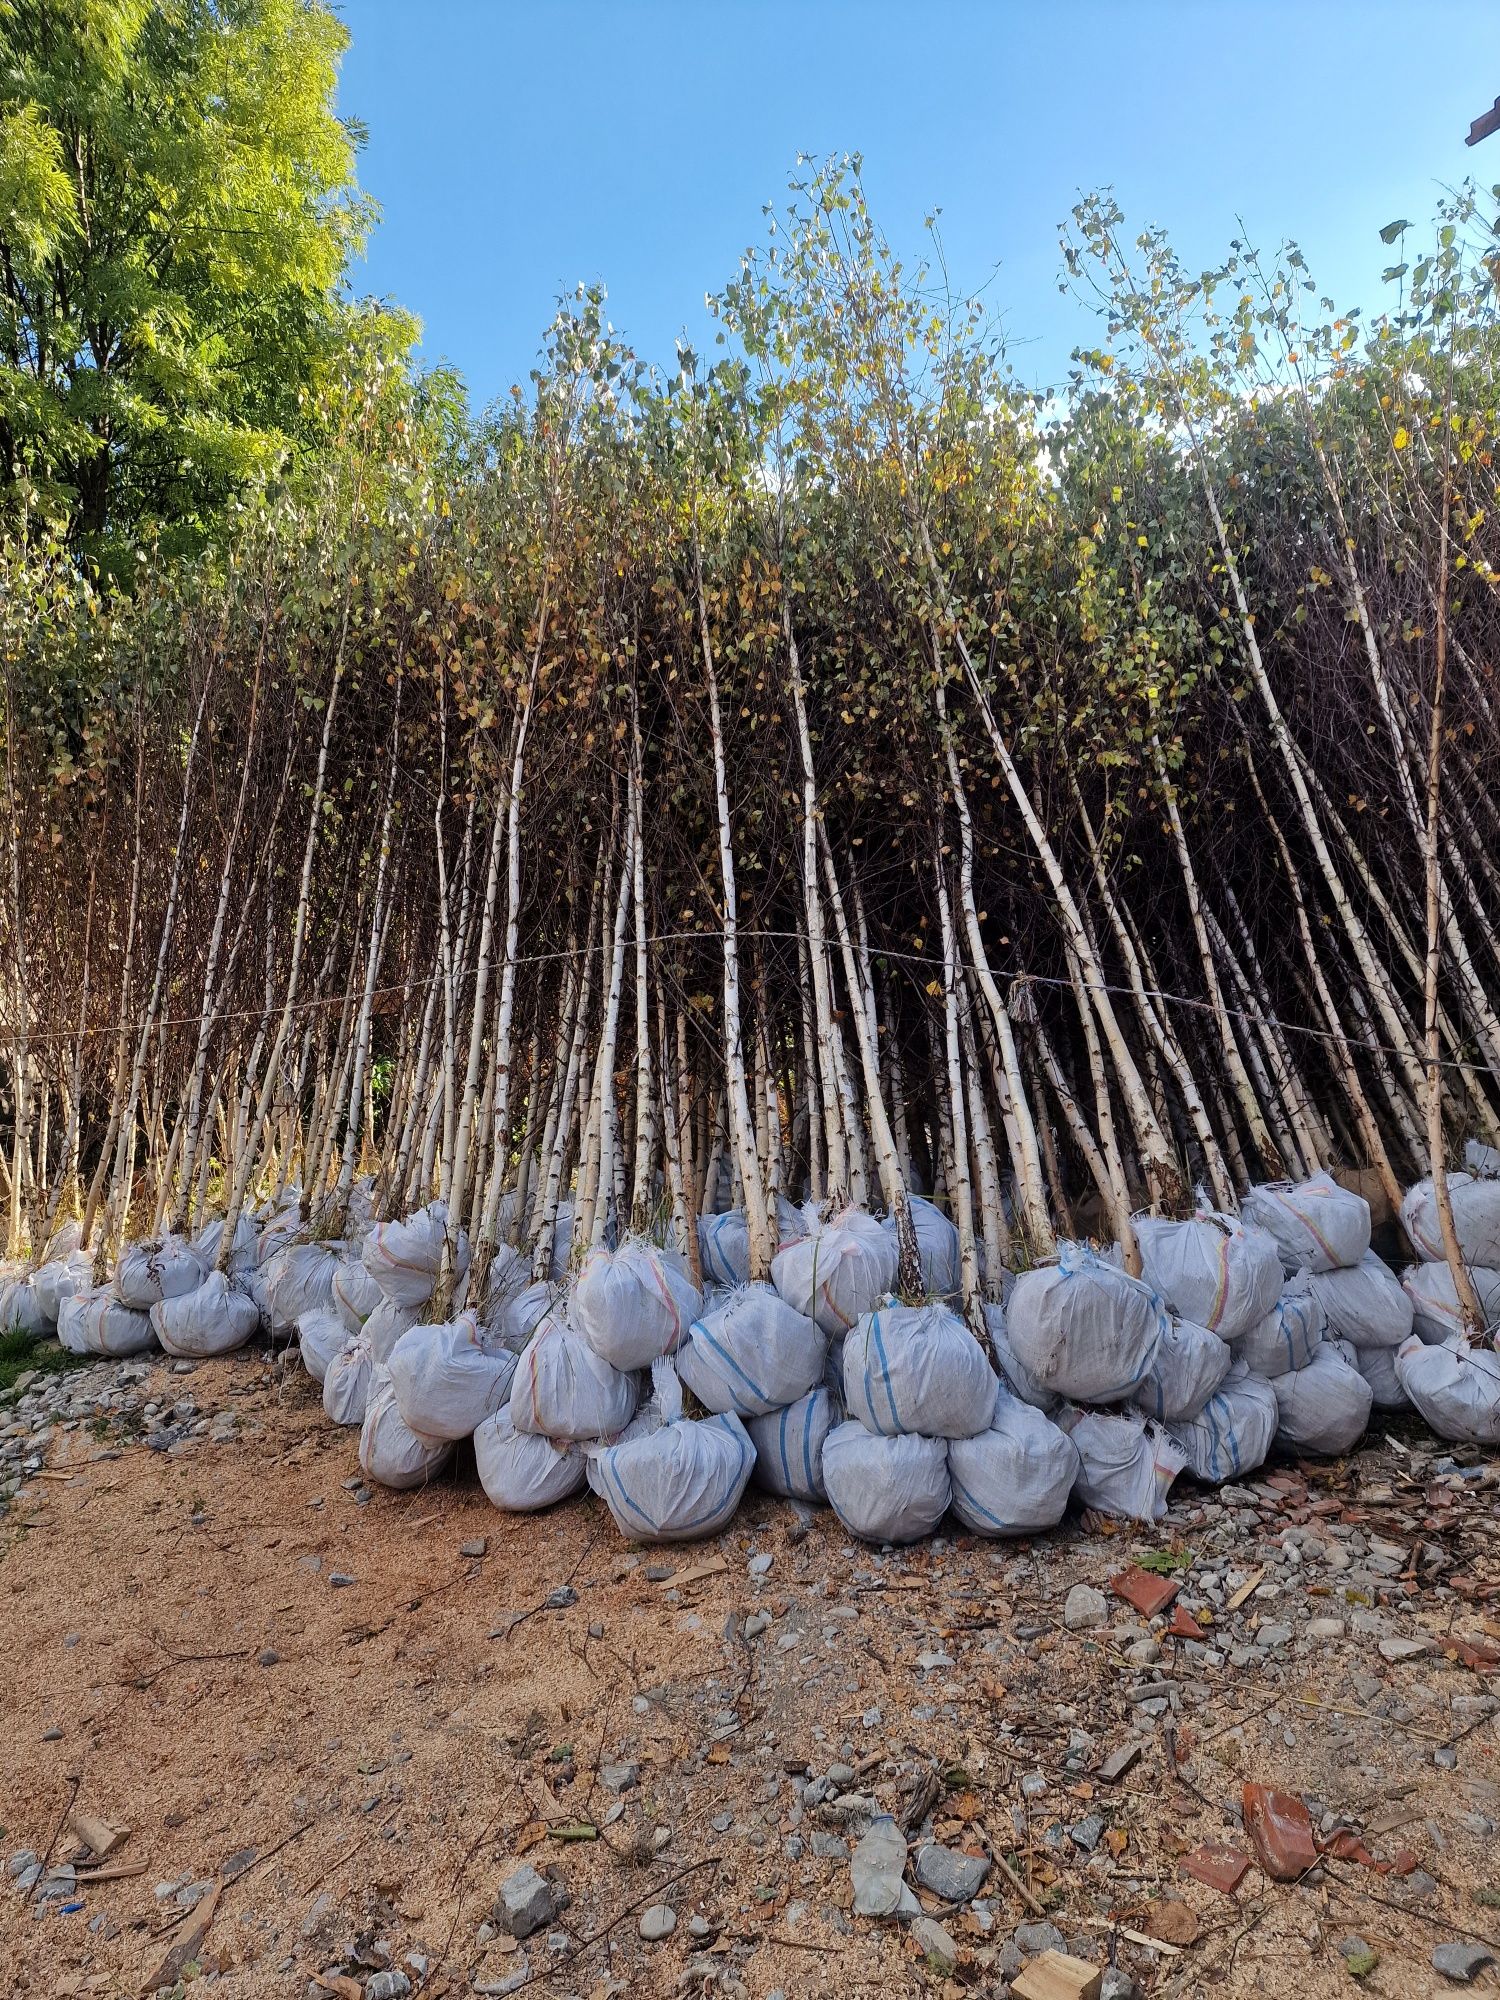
177, 212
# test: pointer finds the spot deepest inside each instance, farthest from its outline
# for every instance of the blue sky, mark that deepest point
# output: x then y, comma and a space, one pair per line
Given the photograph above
516, 148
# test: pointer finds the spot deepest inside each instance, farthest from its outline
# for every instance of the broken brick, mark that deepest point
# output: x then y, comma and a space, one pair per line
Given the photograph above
1280, 1830
1146, 1592
1218, 1865
1184, 1625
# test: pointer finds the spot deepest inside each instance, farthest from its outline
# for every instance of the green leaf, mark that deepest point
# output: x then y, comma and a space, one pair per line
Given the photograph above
1392, 230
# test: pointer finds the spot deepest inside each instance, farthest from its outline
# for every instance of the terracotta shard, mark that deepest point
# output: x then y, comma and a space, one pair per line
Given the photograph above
1184, 1625
1280, 1830
1218, 1865
1148, 1593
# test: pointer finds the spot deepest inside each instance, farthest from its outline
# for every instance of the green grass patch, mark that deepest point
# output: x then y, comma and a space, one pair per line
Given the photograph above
20, 1352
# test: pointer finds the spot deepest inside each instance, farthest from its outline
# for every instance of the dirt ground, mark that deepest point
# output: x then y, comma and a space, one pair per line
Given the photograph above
426, 1728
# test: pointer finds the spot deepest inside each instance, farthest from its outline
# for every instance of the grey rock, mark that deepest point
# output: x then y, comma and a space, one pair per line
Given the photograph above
21, 1860
52, 1736
561, 1598
658, 1922
760, 1565
756, 1623
1033, 1938
619, 1777
526, 1901
493, 1989
1396, 1650
340, 1580
934, 1942
268, 1657
1117, 1984
840, 1776
1118, 1762
1085, 1609
478, 1547
1420, 1884
1271, 1637
829, 1847
1326, 1628
392, 1985
1353, 1947
1461, 1962
954, 1876
1087, 1833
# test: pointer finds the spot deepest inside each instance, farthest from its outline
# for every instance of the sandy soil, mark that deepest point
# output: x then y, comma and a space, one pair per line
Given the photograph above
360, 1799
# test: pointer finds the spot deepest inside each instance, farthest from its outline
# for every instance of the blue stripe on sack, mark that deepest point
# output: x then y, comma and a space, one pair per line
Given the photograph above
1005, 1527
807, 1417
726, 1505
729, 1362
878, 1337
632, 1506
786, 1470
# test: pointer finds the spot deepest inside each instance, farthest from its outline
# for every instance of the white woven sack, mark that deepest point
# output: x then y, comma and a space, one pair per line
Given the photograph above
562, 1389
1324, 1407
298, 1278
886, 1489
1475, 1201
1456, 1387
1230, 1436
1288, 1336
1014, 1477
840, 1269
680, 1481
215, 1319
724, 1242
95, 1322
1126, 1464
789, 1444
387, 1324
521, 1473
1378, 1366
20, 1309
448, 1378
320, 1335
917, 1369
1317, 1225
1365, 1304
150, 1272
405, 1257
632, 1305
1436, 1314
1018, 1379
58, 1279
1214, 1269
752, 1354
1190, 1364
1083, 1329
346, 1381
390, 1451
512, 1319
355, 1292
210, 1239
937, 1246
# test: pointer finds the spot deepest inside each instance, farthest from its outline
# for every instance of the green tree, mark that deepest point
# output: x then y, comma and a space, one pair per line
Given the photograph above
177, 209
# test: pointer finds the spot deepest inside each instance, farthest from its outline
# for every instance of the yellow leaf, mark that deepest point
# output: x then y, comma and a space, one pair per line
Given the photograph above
1402, 438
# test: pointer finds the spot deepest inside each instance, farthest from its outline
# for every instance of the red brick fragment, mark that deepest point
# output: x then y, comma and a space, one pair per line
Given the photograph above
1403, 1862
1146, 1592
1184, 1625
1217, 1864
1347, 1846
1281, 1831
